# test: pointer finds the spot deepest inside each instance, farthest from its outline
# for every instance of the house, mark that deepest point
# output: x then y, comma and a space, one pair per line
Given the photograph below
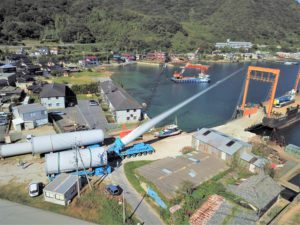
57, 96
53, 96
234, 44
124, 108
8, 75
11, 94
62, 189
29, 116
225, 147
159, 56
260, 191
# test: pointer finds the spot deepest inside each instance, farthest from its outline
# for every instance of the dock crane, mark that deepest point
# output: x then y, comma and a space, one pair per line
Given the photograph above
267, 75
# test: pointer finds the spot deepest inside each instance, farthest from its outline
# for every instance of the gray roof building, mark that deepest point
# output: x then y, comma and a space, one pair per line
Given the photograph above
53, 90
259, 190
221, 141
30, 108
118, 97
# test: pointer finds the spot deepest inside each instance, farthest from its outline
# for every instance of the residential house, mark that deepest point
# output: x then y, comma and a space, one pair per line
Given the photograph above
62, 189
29, 116
157, 56
8, 75
53, 96
124, 108
234, 44
57, 96
260, 191
11, 94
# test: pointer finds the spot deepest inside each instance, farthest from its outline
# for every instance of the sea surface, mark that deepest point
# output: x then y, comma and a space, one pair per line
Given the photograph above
151, 84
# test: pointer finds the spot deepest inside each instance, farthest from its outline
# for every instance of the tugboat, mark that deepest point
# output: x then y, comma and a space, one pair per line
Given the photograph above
168, 131
202, 76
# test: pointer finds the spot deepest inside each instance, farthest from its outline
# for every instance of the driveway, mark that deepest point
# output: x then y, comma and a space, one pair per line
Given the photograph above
142, 210
14, 213
93, 115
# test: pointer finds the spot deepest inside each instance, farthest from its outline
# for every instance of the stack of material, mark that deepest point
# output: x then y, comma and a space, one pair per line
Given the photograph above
207, 210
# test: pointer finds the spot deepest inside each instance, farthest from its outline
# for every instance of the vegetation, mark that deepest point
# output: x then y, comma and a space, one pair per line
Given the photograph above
140, 25
94, 206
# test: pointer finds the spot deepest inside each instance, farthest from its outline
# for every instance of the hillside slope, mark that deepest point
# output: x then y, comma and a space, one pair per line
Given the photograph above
151, 24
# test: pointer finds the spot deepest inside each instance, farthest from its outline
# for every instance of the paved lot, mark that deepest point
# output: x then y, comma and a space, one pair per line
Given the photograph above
14, 213
82, 114
168, 174
93, 115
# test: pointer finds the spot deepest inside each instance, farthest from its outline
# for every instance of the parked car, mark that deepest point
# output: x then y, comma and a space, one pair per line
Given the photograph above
93, 103
35, 189
114, 189
57, 113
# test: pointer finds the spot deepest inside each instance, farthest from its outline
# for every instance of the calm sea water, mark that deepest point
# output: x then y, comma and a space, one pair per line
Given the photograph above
213, 108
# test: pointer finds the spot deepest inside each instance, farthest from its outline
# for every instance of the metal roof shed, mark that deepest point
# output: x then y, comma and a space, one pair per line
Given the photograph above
62, 189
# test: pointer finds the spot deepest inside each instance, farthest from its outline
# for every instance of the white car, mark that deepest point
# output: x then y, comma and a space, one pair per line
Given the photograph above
35, 189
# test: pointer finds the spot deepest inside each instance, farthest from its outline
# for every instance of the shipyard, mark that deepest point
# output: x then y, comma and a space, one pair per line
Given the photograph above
150, 112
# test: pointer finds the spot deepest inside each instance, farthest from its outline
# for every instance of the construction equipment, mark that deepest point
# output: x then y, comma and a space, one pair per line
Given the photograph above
203, 77
265, 75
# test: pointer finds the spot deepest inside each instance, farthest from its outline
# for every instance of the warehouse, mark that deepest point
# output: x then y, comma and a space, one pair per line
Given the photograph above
218, 144
62, 189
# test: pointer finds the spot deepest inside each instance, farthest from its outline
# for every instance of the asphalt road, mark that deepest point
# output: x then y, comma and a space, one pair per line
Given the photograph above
93, 115
13, 213
141, 209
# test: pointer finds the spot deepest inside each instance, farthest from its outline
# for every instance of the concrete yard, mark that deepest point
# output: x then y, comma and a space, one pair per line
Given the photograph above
236, 128
169, 174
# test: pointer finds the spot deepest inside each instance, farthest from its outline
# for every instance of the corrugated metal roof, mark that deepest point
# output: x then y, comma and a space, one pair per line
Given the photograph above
222, 142
62, 183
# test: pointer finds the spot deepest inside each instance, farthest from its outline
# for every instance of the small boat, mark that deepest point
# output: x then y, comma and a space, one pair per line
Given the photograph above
168, 131
202, 78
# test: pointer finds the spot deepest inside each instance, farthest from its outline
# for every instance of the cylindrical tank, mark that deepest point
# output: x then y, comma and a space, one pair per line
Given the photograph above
52, 143
57, 142
65, 161
15, 149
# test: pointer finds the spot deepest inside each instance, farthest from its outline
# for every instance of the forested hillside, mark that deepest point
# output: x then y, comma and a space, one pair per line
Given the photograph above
151, 24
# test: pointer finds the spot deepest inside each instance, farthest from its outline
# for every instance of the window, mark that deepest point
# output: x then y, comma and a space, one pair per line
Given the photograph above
131, 115
128, 118
51, 195
134, 117
47, 194
127, 110
57, 104
50, 104
57, 97
206, 132
134, 110
49, 98
230, 143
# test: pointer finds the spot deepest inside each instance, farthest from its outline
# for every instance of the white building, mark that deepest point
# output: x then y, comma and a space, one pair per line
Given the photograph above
53, 96
62, 189
123, 107
234, 44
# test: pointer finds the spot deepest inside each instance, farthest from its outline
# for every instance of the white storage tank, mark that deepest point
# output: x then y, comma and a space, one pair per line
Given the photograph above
65, 161
52, 143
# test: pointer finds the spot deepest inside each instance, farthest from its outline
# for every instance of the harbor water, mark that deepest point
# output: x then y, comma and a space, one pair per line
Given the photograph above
152, 85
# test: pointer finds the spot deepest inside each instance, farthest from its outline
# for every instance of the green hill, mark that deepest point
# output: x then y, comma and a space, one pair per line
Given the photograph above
151, 24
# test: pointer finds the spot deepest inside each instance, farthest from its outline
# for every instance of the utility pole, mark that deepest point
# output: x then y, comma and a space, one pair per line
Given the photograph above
78, 186
124, 216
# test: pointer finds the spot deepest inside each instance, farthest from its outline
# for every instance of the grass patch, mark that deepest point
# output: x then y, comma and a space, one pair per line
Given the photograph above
132, 177
94, 206
85, 77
